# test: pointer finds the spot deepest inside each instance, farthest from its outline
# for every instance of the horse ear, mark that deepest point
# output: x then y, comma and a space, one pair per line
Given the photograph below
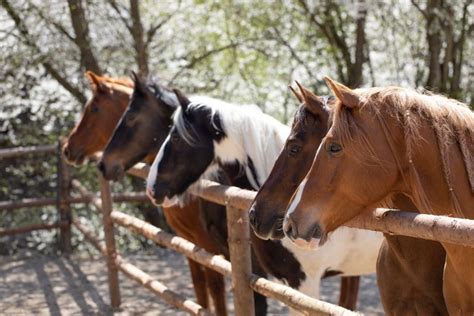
344, 94
312, 102
95, 81
296, 94
183, 100
137, 82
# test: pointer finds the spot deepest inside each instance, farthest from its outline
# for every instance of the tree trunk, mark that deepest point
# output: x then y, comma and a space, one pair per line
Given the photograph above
82, 38
354, 77
141, 53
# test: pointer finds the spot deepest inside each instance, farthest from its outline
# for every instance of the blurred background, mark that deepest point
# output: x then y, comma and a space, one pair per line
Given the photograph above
240, 51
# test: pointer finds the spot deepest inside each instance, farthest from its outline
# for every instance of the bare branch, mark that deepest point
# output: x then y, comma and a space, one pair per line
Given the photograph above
60, 28
141, 53
117, 9
196, 60
82, 39
293, 52
154, 29
417, 6
47, 64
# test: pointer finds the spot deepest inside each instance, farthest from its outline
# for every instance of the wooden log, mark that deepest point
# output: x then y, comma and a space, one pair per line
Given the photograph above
240, 257
143, 278
397, 222
181, 245
140, 170
64, 209
293, 298
107, 224
30, 228
29, 203
431, 227
22, 151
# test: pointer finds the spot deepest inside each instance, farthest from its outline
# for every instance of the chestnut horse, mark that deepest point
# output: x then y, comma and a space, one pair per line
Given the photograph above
409, 284
386, 141
99, 119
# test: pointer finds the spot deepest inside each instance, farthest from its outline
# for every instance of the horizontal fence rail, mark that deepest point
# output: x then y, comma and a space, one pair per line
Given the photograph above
22, 151
25, 203
439, 228
141, 277
283, 293
432, 227
30, 228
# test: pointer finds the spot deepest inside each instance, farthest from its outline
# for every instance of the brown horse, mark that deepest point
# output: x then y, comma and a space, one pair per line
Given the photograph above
99, 118
409, 284
386, 141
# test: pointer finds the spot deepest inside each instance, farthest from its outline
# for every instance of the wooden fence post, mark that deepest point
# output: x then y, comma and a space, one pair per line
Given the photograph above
240, 257
109, 234
64, 209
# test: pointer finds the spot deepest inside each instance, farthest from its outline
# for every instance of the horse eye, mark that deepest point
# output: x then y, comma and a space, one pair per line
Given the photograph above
130, 117
94, 109
334, 148
174, 137
293, 150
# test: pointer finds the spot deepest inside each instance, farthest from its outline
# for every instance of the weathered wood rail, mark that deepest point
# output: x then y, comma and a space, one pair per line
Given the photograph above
433, 227
237, 201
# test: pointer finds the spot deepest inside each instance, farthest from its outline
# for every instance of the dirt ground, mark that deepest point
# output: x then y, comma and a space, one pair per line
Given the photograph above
41, 285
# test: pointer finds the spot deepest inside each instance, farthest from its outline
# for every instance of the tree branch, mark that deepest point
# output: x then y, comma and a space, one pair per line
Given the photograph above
417, 6
293, 52
75, 92
196, 60
124, 20
82, 39
56, 25
141, 53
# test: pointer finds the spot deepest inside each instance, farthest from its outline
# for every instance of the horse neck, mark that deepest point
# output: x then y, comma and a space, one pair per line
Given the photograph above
435, 172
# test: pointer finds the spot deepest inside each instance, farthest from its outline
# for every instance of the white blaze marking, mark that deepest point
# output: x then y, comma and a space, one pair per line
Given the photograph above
153, 173
297, 199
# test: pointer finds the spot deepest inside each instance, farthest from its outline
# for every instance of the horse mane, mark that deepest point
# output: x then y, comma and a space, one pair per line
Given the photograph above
451, 121
124, 82
249, 132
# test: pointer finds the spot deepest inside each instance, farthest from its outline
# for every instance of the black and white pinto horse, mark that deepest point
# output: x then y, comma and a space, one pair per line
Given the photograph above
245, 143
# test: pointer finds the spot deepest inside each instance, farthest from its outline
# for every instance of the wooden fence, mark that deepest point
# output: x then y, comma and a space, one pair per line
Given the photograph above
237, 201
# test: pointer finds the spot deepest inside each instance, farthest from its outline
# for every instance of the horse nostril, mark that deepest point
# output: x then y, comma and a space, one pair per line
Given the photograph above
150, 193
290, 229
253, 218
66, 152
101, 167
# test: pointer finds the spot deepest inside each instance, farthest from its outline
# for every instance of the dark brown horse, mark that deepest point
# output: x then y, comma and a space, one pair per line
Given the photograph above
409, 284
99, 118
383, 142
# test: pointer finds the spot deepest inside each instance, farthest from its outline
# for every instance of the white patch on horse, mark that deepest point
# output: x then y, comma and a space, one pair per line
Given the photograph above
153, 172
297, 199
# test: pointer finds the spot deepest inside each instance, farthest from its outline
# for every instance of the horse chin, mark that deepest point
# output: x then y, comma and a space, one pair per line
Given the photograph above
312, 244
170, 202
277, 234
76, 161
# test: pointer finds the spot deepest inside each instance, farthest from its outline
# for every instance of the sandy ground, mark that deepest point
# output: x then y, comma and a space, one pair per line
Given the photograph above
40, 285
